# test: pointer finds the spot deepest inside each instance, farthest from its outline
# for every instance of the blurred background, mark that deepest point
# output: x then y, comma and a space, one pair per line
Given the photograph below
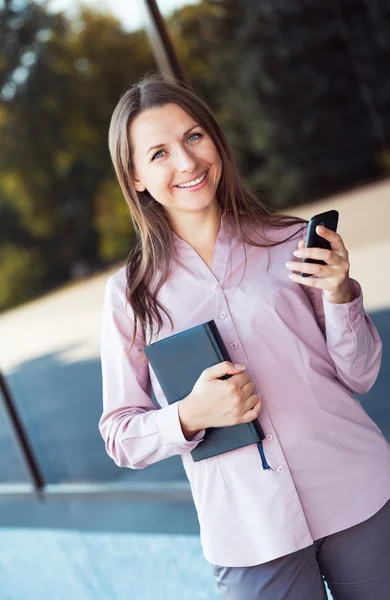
303, 94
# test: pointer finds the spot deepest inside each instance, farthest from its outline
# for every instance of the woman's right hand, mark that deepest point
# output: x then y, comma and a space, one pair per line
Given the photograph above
218, 403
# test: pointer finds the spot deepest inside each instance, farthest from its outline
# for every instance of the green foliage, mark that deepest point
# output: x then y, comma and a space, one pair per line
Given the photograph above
22, 275
59, 83
300, 88
112, 221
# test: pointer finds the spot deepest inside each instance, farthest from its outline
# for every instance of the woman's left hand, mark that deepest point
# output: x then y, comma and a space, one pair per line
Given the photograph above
332, 278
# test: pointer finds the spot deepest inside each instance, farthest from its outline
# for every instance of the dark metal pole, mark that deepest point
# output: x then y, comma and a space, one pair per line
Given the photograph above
161, 43
26, 452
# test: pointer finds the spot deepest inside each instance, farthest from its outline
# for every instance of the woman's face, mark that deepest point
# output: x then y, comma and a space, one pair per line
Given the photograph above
185, 153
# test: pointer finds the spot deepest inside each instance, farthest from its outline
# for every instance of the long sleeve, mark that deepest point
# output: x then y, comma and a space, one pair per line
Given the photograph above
351, 336
136, 434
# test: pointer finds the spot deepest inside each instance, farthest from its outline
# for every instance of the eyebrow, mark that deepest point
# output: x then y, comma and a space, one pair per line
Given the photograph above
184, 134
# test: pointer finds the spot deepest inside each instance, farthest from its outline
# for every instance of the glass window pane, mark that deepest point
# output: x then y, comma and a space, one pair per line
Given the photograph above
11, 465
63, 223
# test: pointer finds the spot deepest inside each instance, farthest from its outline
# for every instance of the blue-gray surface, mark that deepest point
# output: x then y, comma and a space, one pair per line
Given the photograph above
40, 565
37, 564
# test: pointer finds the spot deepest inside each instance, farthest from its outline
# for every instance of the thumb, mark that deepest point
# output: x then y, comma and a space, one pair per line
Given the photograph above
223, 368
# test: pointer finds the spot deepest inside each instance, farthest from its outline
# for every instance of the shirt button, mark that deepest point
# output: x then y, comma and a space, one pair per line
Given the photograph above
354, 317
280, 469
269, 437
222, 315
233, 345
214, 287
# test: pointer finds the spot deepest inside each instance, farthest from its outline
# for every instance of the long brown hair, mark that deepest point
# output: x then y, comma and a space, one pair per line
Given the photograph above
154, 249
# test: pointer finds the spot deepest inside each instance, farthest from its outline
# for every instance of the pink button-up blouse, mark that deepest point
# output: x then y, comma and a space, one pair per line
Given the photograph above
330, 462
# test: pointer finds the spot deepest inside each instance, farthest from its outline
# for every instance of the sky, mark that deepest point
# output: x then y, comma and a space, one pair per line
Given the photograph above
130, 12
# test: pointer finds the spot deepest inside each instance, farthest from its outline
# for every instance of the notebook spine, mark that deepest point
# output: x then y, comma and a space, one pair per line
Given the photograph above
217, 341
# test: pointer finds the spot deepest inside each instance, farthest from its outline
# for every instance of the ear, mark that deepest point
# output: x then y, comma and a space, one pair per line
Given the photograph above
139, 186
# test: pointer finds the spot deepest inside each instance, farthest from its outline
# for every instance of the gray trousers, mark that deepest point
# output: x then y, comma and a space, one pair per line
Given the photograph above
355, 563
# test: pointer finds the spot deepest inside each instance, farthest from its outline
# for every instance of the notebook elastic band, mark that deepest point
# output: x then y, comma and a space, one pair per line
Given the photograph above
264, 462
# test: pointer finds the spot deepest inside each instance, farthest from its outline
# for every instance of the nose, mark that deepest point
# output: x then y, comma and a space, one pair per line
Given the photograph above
184, 160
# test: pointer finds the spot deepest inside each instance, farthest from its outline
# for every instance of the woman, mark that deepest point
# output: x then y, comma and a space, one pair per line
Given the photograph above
207, 248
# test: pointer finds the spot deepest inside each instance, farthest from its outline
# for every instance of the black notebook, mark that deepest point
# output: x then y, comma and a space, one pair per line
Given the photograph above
178, 361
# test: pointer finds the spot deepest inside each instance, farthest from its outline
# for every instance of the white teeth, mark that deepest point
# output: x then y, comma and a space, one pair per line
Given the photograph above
192, 183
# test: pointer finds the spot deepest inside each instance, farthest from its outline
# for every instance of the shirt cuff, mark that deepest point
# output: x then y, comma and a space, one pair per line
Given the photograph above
343, 316
198, 436
169, 426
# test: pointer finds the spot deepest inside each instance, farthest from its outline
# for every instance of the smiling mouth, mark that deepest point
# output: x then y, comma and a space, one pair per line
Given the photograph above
192, 183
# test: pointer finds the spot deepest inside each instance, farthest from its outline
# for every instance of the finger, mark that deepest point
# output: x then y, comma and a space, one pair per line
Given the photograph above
314, 281
301, 243
248, 391
333, 238
253, 412
242, 379
328, 256
312, 268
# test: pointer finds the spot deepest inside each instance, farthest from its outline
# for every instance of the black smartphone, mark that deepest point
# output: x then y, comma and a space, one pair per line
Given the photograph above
328, 219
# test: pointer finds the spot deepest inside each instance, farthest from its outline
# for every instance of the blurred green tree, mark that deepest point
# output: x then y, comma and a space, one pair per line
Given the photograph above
300, 88
59, 82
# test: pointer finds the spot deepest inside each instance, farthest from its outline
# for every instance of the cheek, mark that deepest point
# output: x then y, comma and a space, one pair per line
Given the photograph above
213, 153
217, 166
159, 179
216, 159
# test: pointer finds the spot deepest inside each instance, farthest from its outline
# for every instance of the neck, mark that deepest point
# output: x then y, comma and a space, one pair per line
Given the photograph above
199, 231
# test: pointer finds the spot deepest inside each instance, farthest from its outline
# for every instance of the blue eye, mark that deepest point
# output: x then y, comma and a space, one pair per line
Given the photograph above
192, 135
159, 152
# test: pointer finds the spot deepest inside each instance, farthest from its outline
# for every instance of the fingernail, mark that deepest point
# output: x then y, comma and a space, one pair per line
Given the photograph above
242, 367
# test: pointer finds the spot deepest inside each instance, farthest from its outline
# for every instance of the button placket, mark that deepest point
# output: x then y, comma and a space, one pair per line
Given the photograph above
276, 455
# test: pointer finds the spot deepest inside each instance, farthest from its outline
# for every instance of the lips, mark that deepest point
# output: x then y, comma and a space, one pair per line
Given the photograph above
194, 179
